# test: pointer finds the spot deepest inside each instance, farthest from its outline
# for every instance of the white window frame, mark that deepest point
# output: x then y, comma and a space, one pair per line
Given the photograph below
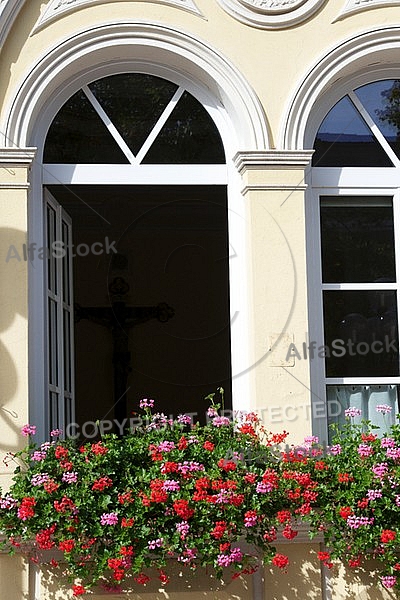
353, 178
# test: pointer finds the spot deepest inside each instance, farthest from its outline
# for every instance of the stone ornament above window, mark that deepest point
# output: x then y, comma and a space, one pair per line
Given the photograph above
56, 8
271, 14
355, 6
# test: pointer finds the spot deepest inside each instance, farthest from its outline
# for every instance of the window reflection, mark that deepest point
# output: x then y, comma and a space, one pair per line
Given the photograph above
357, 235
361, 334
345, 140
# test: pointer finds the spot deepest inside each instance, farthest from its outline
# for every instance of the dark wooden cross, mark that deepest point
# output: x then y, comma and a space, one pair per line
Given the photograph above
121, 319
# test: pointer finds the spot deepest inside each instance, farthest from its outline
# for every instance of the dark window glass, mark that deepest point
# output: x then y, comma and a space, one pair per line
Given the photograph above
78, 135
361, 333
134, 102
382, 101
357, 239
189, 137
344, 140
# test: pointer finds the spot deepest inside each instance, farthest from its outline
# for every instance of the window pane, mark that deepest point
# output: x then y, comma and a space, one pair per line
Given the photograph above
68, 412
345, 140
366, 398
54, 421
66, 275
53, 345
78, 135
51, 260
357, 237
67, 350
189, 137
134, 102
361, 336
382, 101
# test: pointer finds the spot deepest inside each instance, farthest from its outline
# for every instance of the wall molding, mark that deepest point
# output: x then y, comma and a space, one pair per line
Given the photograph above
271, 14
272, 159
9, 10
355, 6
55, 9
17, 157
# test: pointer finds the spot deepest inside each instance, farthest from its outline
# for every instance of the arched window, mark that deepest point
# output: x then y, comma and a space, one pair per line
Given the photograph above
354, 217
135, 192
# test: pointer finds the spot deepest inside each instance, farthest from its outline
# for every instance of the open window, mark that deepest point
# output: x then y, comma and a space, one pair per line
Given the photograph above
139, 166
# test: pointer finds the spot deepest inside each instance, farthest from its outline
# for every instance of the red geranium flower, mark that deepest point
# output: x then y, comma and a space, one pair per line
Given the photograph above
101, 483
61, 452
78, 590
388, 535
280, 560
344, 477
208, 446
98, 448
66, 545
181, 507
345, 512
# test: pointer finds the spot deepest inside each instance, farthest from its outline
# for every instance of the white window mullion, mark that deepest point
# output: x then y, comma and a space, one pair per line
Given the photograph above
110, 126
160, 124
375, 129
359, 286
363, 381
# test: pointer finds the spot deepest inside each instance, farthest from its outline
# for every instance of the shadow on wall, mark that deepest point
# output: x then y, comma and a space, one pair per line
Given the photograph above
14, 577
363, 586
303, 577
13, 308
183, 584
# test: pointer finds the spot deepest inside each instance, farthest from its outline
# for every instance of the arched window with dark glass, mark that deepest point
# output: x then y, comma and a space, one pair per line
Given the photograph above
356, 179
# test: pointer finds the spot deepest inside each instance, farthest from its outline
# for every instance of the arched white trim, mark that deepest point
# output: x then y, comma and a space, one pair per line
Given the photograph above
139, 47
9, 10
365, 57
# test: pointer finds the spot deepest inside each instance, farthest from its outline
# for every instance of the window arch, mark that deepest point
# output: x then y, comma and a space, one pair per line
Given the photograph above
353, 244
135, 121
133, 118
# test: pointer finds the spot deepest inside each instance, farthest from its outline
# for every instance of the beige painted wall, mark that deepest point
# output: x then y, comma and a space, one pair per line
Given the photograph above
14, 313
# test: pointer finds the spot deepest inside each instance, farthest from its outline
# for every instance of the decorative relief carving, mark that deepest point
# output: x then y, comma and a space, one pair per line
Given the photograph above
55, 8
271, 14
355, 6
272, 5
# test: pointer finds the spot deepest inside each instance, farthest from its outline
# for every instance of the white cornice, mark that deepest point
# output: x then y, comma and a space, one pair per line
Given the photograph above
17, 157
272, 159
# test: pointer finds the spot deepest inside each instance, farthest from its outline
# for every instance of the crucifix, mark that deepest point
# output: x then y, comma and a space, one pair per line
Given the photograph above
121, 318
